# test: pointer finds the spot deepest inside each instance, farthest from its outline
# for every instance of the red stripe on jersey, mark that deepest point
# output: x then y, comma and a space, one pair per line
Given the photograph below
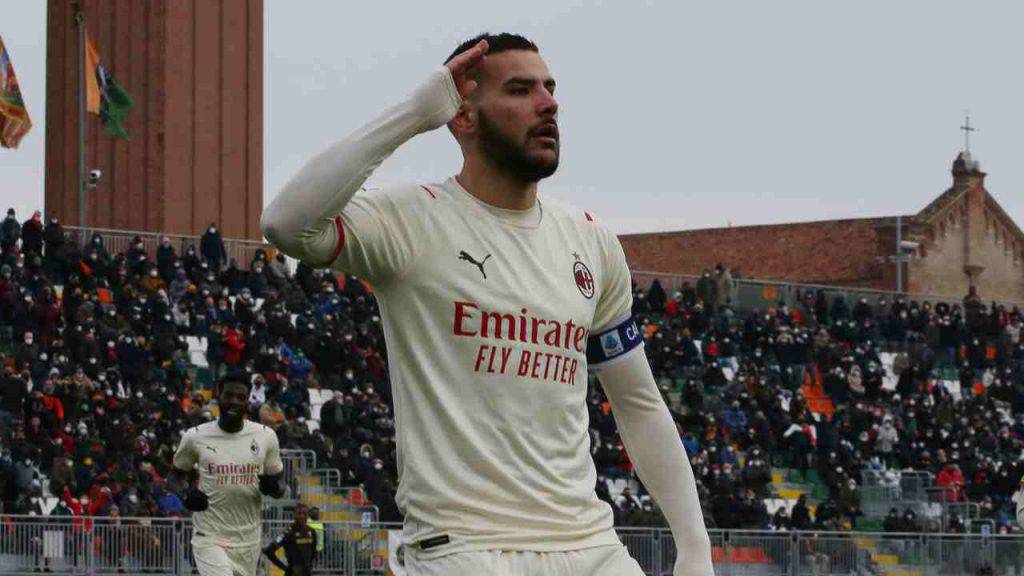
341, 240
589, 218
428, 191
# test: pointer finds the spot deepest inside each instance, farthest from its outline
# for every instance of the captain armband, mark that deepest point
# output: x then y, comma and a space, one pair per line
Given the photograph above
614, 343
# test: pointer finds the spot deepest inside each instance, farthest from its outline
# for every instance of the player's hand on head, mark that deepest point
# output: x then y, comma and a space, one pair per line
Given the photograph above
463, 65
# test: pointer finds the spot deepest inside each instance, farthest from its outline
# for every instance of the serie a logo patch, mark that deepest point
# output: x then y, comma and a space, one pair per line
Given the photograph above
611, 344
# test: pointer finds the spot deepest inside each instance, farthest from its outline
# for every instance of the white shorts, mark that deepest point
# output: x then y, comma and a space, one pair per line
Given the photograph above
212, 559
601, 561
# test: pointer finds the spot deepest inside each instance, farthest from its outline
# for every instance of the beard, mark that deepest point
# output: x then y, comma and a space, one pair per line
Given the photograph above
511, 156
231, 421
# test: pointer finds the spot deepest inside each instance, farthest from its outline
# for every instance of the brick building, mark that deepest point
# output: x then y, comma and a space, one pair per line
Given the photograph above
960, 239
195, 150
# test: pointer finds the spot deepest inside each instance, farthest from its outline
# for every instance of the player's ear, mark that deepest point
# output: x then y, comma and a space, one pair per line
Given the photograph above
465, 120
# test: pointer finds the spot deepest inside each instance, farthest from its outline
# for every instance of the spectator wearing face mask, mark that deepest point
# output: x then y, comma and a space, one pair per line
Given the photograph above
27, 352
179, 287
53, 237
152, 283
951, 479
14, 391
211, 246
32, 235
10, 233
165, 258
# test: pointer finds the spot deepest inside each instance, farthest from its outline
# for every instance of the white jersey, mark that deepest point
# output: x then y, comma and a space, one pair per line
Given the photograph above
487, 315
228, 464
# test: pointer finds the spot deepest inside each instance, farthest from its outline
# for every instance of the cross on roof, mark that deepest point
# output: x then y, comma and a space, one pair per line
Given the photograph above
967, 128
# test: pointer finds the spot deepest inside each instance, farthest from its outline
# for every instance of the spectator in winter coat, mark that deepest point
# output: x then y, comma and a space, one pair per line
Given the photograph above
32, 235
10, 233
735, 420
53, 236
723, 287
887, 439
165, 256
952, 480
211, 246
234, 344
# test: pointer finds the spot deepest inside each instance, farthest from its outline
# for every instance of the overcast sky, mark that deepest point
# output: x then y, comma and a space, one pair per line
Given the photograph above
673, 114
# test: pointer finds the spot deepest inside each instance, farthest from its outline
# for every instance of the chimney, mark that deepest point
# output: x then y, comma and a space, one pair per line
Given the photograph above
967, 173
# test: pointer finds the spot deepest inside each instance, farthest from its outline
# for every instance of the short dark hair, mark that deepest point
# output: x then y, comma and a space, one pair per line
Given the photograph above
496, 43
240, 376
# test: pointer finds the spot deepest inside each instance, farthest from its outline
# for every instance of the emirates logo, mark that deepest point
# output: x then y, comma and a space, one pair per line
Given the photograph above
584, 279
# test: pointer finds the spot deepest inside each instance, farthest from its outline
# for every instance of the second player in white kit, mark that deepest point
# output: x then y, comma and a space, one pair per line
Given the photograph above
495, 303
237, 461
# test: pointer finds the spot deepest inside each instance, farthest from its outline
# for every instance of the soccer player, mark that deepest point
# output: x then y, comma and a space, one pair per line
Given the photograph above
300, 545
495, 303
236, 460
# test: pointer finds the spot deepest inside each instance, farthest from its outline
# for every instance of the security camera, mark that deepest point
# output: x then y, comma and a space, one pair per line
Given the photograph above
908, 246
95, 175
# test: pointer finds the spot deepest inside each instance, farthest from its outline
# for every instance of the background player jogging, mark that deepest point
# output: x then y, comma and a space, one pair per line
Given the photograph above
237, 462
495, 303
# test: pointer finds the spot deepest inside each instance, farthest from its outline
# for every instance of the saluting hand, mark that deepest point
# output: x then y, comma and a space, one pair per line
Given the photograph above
462, 66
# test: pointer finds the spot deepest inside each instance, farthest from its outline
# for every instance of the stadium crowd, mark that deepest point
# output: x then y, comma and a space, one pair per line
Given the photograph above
97, 384
743, 408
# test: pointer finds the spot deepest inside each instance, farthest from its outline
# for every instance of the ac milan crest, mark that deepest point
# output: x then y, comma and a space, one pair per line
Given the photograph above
584, 279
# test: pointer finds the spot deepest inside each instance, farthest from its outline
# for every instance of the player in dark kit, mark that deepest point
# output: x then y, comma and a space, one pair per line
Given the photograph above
300, 546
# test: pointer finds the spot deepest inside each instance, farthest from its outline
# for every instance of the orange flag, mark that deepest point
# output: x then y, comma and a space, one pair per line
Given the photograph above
92, 87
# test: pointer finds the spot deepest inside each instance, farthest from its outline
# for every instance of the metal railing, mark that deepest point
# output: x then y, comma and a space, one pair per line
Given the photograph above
914, 484
117, 241
161, 546
297, 464
749, 293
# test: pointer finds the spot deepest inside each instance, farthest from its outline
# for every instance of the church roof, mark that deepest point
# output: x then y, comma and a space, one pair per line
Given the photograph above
822, 252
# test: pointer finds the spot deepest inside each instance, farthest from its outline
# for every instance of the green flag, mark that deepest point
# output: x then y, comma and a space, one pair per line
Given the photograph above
114, 104
104, 95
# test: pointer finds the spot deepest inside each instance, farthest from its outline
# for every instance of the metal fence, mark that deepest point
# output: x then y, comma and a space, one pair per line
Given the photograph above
99, 546
116, 241
748, 293
749, 553
297, 464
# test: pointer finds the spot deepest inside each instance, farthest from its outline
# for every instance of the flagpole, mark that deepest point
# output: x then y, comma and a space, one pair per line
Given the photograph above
82, 207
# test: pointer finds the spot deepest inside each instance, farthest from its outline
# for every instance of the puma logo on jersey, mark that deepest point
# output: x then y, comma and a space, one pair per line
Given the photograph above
210, 448
465, 256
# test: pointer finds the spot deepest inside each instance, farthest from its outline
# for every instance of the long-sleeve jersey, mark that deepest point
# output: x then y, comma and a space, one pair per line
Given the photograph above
487, 315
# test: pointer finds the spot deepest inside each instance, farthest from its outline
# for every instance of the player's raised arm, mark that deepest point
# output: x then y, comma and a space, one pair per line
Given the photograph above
615, 350
301, 221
